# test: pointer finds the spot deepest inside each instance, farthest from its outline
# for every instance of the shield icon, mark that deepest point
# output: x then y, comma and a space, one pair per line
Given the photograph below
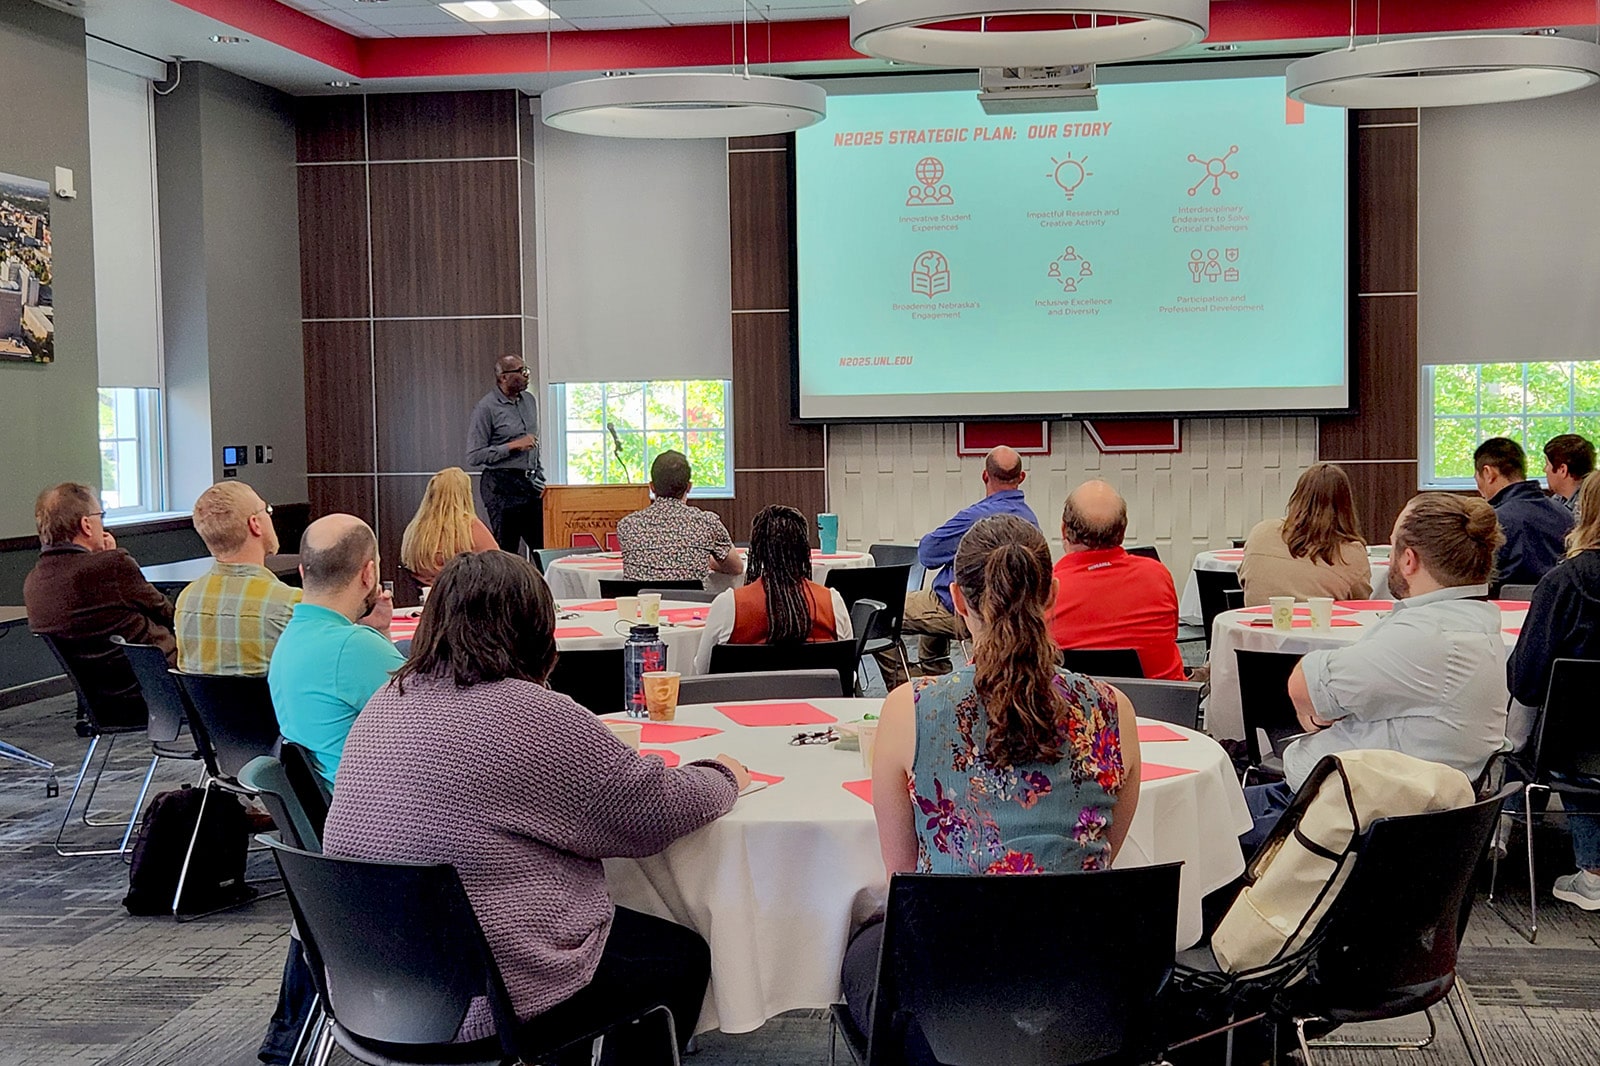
1232, 254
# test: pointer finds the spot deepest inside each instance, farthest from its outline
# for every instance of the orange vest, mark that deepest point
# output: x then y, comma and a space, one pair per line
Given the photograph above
752, 626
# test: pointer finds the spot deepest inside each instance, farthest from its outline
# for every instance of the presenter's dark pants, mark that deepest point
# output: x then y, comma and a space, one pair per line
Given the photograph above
516, 509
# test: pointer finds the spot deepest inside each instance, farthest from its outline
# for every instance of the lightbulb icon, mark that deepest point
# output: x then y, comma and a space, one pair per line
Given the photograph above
1069, 173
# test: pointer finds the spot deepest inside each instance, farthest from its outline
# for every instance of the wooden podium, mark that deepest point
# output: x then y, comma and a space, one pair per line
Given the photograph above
592, 509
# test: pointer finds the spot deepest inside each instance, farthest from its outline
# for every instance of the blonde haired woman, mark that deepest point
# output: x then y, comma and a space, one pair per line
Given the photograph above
444, 526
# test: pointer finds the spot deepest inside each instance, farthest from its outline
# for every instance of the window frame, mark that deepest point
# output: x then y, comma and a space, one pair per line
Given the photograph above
149, 440
556, 405
1427, 477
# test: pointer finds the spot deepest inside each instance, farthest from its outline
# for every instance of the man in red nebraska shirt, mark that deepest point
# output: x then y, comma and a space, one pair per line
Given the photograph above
1107, 598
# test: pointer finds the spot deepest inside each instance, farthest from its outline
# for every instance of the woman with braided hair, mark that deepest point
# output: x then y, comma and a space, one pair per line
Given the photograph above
779, 603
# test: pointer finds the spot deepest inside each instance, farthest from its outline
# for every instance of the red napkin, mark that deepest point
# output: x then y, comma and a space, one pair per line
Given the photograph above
668, 757
1366, 605
597, 605
1515, 631
1154, 771
862, 788
1302, 611
765, 714
771, 779
668, 733
1512, 605
679, 615
1152, 734
570, 632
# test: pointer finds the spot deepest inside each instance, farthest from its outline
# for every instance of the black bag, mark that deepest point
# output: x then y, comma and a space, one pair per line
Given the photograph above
216, 871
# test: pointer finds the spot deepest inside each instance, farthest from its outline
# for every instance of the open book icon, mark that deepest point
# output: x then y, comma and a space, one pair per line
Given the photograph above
930, 275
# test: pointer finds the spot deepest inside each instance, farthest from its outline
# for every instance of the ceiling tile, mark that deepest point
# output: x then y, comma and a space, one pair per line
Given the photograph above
591, 9
455, 28
621, 22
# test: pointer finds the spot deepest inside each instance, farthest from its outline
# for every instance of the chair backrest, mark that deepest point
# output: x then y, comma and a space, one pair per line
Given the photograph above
266, 777
1516, 592
1001, 991
1233, 599
592, 678
864, 622
1567, 734
838, 655
162, 697
231, 719
1103, 662
900, 555
97, 670
1389, 942
1236, 542
681, 595
1211, 585
545, 556
886, 584
1264, 699
759, 685
310, 787
612, 587
1177, 702
1146, 550
396, 949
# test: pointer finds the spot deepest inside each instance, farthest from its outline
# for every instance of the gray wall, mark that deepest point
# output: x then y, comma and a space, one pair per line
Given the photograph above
230, 266
48, 414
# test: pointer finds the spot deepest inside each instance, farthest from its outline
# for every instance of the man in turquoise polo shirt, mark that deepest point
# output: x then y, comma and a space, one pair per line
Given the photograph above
326, 666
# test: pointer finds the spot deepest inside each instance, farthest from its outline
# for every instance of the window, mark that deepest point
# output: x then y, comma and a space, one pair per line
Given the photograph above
130, 451
1529, 402
644, 418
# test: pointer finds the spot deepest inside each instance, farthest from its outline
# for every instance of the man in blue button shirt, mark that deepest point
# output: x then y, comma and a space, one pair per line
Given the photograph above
929, 612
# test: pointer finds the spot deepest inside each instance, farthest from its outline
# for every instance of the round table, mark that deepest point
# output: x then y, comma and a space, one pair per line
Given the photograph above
1228, 559
1251, 629
777, 885
579, 576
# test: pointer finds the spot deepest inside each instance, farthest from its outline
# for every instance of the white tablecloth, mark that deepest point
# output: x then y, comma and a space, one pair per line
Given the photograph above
578, 576
777, 885
1230, 558
1233, 631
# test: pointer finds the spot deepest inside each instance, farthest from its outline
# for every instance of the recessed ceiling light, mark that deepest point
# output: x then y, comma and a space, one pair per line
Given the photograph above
491, 11
223, 38
346, 84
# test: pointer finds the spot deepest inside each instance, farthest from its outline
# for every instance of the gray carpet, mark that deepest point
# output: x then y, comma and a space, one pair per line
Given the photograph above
81, 982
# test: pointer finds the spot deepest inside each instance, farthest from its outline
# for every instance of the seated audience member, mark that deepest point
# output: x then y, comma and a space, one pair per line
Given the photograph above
929, 612
778, 603
669, 540
1564, 623
1568, 462
1428, 680
444, 526
84, 590
1314, 550
467, 758
1008, 765
229, 620
1106, 598
1535, 526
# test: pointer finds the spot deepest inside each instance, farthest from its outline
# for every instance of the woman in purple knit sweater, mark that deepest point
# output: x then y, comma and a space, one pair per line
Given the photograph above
467, 758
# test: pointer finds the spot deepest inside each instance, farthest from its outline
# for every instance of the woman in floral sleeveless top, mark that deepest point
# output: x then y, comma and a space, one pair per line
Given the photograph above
1009, 765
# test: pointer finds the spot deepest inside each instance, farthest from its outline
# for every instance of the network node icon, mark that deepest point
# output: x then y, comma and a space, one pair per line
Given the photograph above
1216, 170
1069, 173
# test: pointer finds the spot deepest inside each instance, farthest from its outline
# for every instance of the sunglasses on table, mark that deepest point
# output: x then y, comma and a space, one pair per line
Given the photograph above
825, 736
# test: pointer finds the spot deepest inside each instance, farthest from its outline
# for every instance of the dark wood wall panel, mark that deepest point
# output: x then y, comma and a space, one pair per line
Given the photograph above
459, 125
430, 374
338, 357
331, 129
334, 281
762, 434
1381, 489
445, 239
758, 216
1386, 364
1386, 209
351, 494
398, 499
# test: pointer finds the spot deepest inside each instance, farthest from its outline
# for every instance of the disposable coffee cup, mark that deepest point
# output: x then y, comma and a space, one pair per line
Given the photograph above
650, 608
1321, 612
630, 733
1282, 612
661, 694
628, 608
868, 732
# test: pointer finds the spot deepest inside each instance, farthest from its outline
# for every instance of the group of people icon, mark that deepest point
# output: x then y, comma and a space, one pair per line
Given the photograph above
1068, 279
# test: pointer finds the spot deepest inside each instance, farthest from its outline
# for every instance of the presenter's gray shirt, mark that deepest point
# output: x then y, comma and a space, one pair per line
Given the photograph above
498, 420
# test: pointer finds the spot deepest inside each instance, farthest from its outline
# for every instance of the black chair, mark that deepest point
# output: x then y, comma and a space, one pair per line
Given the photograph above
887, 585
681, 595
758, 685
1213, 584
1175, 702
1146, 550
864, 615
545, 556
166, 707
1233, 599
92, 724
900, 555
838, 655
977, 999
1562, 756
267, 779
1103, 662
592, 678
310, 787
1265, 705
1515, 592
398, 956
1236, 542
612, 587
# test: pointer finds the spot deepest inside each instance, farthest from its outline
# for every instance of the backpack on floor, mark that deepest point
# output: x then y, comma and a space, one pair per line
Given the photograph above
216, 870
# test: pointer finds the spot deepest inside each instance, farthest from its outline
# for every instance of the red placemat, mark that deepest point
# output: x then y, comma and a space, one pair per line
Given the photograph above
1512, 605
669, 757
1366, 605
680, 615
1154, 771
768, 714
668, 733
1515, 631
862, 788
1302, 623
1301, 611
403, 628
572, 632
1228, 553
596, 606
1153, 734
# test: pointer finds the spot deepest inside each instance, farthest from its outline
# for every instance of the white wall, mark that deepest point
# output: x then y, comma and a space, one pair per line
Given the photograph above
892, 483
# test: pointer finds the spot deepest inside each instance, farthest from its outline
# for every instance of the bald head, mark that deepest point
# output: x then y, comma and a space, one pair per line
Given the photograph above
1094, 519
1002, 469
511, 375
334, 553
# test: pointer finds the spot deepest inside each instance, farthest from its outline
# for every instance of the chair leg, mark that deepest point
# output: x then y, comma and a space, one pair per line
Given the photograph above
77, 786
1471, 1034
138, 805
1383, 1045
1533, 885
309, 1031
194, 837
105, 760
324, 1047
1300, 1037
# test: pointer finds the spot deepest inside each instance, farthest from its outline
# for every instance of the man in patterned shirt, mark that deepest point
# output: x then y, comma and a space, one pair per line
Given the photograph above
669, 540
229, 620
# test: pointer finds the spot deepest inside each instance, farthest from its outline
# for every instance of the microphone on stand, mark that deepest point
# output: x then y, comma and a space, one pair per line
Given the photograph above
616, 446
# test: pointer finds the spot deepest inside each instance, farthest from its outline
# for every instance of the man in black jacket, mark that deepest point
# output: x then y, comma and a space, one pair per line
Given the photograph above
1535, 526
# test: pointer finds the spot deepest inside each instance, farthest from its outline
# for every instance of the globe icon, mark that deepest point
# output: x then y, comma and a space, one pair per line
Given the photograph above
929, 171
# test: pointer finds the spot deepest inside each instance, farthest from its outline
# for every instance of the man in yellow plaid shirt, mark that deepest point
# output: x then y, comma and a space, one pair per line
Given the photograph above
229, 620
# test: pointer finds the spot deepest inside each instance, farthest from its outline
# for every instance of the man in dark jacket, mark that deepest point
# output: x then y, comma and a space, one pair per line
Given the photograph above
1535, 526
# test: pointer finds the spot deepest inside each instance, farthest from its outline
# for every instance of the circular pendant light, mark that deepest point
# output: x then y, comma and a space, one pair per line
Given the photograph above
679, 106
1445, 71
910, 31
